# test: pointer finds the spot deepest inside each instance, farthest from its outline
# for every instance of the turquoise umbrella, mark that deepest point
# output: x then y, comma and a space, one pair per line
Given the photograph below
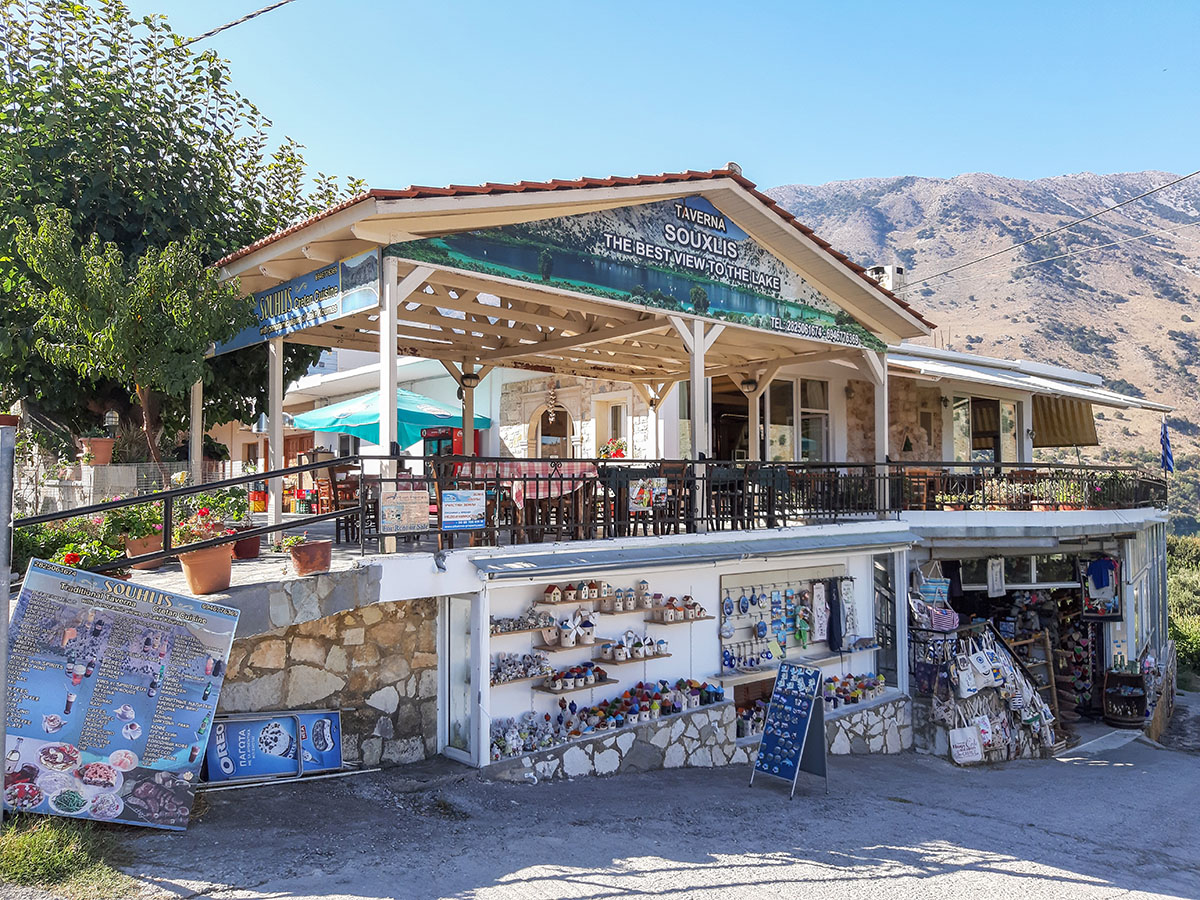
360, 417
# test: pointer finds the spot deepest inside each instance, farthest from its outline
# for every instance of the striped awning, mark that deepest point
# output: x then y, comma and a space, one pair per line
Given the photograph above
1063, 422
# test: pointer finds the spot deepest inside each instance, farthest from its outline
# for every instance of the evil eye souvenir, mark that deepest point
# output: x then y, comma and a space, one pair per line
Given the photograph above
727, 605
761, 630
727, 630
743, 604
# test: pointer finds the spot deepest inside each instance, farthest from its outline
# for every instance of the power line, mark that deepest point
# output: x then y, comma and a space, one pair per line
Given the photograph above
1075, 252
245, 18
1054, 231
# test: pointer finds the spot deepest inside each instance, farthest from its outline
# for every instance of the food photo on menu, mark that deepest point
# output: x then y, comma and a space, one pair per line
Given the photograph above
112, 692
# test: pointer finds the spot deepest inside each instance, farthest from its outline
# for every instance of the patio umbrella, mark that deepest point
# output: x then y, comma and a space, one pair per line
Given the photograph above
360, 417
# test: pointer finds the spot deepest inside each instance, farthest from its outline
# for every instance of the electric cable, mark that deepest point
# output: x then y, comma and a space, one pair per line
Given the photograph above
1053, 231
228, 25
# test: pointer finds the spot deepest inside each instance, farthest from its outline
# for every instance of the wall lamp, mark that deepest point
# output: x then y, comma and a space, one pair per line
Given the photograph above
749, 384
470, 380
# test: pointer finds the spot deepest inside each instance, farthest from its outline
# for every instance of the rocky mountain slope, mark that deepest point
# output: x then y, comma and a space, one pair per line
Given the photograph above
1128, 312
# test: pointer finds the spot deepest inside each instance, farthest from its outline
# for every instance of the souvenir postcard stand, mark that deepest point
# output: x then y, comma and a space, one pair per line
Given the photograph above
793, 738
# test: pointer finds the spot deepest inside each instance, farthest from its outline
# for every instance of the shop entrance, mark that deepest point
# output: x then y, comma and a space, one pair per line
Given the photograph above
730, 420
457, 736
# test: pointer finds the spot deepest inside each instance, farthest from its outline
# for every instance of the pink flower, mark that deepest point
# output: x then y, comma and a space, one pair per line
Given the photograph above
98, 520
157, 526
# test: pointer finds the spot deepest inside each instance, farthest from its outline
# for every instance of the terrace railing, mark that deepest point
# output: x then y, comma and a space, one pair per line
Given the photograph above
482, 500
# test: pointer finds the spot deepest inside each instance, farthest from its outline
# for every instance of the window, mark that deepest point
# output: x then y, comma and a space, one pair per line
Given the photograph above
781, 421
684, 390
814, 421
985, 431
554, 435
616, 421
347, 445
780, 409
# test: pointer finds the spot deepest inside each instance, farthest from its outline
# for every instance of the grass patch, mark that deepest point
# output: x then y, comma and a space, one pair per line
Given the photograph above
70, 856
1187, 680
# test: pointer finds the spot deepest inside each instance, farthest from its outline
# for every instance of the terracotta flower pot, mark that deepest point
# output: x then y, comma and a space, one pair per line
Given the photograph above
209, 570
149, 544
100, 448
247, 548
312, 557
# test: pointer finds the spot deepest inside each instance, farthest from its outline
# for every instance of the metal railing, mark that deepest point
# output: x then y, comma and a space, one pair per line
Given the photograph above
1016, 486
518, 501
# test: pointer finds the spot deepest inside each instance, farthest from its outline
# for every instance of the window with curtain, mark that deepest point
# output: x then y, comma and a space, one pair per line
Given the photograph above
814, 421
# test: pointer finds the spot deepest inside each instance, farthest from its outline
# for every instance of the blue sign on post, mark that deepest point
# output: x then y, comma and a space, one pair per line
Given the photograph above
252, 747
330, 292
793, 738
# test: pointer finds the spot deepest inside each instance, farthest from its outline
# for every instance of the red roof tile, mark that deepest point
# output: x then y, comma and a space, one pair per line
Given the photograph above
416, 192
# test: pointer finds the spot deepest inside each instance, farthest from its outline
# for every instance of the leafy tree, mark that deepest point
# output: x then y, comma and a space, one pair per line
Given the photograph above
145, 144
146, 322
699, 298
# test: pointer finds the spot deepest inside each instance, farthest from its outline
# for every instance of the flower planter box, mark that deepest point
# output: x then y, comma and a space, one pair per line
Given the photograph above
209, 570
100, 449
247, 548
139, 546
312, 557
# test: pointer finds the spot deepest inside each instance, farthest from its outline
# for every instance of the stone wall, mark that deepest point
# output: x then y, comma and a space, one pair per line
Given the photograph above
378, 664
882, 726
703, 737
907, 399
520, 401
860, 421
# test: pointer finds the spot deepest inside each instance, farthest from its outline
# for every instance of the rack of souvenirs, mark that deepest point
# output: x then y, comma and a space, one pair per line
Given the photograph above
849, 689
507, 668
645, 702
761, 623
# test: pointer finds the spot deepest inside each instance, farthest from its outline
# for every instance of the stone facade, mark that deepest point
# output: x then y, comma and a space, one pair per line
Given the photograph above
907, 399
700, 738
378, 664
860, 421
520, 401
882, 726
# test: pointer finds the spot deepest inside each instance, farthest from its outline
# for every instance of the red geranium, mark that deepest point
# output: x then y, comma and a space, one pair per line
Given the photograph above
202, 511
71, 559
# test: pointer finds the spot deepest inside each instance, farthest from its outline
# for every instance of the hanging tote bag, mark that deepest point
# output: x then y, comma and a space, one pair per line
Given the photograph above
966, 676
942, 619
965, 746
936, 591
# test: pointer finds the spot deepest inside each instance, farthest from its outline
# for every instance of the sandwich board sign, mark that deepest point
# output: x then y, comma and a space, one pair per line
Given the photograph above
793, 739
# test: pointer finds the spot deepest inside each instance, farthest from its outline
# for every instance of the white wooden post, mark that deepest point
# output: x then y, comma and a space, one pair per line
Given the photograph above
275, 427
196, 433
468, 409
388, 426
701, 440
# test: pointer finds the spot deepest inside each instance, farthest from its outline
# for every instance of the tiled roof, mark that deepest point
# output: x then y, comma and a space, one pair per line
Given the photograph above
520, 187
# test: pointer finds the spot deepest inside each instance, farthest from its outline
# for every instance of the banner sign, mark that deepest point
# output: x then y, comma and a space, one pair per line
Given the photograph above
681, 255
403, 512
330, 292
112, 689
274, 745
464, 510
793, 738
647, 493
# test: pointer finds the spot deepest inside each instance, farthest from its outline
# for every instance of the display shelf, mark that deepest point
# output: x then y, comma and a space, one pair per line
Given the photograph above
587, 687
625, 662
496, 634
679, 621
559, 648
574, 602
624, 612
519, 680
735, 678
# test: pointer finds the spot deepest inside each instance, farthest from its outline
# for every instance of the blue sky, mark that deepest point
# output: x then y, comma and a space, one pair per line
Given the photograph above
471, 91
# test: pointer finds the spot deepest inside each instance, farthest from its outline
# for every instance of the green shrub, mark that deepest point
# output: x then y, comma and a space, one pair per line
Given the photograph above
1183, 598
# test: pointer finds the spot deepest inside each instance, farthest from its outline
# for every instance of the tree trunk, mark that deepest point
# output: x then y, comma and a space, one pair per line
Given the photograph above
152, 427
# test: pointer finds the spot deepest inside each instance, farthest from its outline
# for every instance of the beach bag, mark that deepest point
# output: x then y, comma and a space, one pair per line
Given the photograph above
935, 591
986, 666
925, 676
942, 619
987, 734
920, 612
965, 746
943, 710
967, 686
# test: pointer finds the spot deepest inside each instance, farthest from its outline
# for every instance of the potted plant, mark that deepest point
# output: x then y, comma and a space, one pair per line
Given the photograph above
308, 557
138, 529
234, 506
614, 448
211, 569
1069, 495
952, 500
97, 447
87, 553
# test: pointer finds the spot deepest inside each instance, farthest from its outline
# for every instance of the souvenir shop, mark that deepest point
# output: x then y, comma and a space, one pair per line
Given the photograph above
580, 651
1034, 644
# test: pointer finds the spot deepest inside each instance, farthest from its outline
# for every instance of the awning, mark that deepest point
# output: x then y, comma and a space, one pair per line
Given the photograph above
1060, 422
360, 417
567, 559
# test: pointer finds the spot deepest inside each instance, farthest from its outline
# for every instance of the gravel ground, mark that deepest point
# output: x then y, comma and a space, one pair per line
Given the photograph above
899, 827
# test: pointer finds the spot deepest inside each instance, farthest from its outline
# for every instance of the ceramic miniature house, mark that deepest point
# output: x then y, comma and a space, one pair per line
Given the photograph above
552, 595
582, 591
643, 588
605, 589
593, 590
569, 594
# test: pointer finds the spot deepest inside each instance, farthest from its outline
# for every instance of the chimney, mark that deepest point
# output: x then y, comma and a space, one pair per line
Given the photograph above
890, 278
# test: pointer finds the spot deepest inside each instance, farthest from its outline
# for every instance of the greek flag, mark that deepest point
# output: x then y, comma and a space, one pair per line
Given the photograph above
1168, 458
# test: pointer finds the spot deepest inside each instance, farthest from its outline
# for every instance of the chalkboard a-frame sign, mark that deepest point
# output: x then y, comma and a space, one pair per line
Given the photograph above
793, 739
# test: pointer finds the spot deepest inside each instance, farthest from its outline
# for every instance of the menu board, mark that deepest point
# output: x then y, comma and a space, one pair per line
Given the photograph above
793, 738
112, 689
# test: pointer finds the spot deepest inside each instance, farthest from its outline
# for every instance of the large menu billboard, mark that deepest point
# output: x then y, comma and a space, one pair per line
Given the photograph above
112, 689
683, 255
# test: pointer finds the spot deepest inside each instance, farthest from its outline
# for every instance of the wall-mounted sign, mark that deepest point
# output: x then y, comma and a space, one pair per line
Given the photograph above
112, 689
464, 510
681, 255
253, 747
403, 512
330, 292
647, 493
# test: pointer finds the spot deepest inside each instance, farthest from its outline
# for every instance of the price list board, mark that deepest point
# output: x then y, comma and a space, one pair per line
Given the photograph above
793, 738
112, 689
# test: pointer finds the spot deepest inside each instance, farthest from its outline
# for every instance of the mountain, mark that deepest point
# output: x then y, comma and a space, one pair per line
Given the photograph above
1127, 313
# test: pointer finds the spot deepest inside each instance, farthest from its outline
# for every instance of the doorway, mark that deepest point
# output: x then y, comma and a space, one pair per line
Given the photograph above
456, 641
730, 420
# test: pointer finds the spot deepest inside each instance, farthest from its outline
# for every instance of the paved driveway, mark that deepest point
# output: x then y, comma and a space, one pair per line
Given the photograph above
1121, 821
